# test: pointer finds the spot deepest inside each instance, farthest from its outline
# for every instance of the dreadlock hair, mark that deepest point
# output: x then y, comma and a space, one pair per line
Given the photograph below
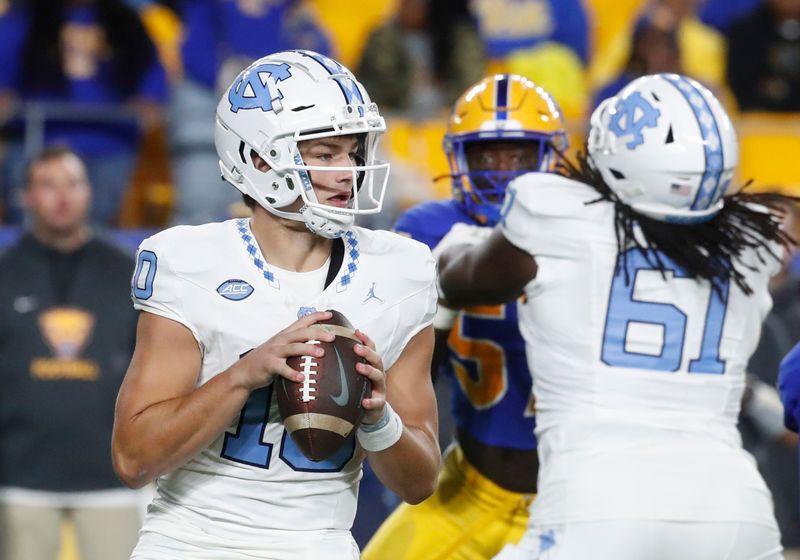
707, 250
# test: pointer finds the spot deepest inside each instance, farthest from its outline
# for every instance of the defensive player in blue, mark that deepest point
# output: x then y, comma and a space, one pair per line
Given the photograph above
500, 127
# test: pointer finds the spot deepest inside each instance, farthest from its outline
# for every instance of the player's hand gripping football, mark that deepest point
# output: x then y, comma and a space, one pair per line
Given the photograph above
372, 370
262, 364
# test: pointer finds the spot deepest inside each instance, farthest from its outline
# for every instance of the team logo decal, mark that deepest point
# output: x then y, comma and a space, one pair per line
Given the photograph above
344, 395
372, 295
256, 88
66, 331
633, 114
235, 290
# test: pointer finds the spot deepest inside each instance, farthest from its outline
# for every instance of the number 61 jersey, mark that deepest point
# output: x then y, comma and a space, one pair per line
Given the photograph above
638, 376
214, 280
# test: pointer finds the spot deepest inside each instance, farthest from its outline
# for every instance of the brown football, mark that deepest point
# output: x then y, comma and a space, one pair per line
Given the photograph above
325, 409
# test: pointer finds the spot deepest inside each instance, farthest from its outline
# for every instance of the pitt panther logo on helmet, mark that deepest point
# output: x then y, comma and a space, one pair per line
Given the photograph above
638, 114
252, 89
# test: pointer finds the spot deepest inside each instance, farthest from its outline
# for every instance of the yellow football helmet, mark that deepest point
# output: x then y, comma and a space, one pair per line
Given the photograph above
504, 109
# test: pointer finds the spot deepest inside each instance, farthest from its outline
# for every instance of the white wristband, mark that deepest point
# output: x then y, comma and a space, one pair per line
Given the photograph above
444, 318
383, 434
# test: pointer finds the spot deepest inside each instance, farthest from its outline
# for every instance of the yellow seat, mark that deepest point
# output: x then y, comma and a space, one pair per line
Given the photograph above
769, 145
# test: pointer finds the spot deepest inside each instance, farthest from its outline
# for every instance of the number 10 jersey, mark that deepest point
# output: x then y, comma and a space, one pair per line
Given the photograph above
253, 481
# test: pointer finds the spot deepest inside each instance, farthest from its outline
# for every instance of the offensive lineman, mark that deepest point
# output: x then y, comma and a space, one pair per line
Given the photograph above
646, 287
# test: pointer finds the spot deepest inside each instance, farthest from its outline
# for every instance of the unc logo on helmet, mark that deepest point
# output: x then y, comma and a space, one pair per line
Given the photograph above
638, 114
251, 90
684, 168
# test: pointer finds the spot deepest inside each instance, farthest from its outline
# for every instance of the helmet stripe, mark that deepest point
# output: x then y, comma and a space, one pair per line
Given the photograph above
709, 191
501, 101
349, 87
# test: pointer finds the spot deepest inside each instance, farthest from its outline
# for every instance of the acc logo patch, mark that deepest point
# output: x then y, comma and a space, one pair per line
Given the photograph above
256, 88
235, 290
633, 114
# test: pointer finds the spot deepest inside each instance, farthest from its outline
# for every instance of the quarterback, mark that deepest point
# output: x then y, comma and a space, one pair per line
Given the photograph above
224, 305
646, 283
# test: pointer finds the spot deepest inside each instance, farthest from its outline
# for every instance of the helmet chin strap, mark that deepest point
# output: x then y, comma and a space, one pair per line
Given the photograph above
325, 223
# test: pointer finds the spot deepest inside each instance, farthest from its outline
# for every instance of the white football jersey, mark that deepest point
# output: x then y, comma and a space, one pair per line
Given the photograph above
214, 280
638, 384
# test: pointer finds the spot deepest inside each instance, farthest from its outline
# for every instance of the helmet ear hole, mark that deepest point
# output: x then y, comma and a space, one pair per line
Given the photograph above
670, 138
617, 174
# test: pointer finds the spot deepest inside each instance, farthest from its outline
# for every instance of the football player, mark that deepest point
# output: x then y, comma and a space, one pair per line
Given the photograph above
646, 284
224, 305
499, 128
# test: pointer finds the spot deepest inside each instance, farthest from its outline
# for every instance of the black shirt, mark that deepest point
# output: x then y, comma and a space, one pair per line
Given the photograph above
67, 330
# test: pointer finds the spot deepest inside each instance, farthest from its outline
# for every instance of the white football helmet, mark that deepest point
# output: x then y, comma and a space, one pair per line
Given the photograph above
666, 147
281, 100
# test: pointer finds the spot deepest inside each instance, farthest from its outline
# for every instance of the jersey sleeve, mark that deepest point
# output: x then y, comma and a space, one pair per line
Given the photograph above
156, 287
416, 310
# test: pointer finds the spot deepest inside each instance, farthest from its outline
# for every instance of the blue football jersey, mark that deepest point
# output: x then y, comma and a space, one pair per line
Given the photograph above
486, 363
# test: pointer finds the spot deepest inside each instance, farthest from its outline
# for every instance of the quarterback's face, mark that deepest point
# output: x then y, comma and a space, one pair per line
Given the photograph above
334, 188
58, 193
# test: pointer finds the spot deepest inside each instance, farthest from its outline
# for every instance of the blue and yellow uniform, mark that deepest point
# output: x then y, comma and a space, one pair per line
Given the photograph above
489, 474
486, 358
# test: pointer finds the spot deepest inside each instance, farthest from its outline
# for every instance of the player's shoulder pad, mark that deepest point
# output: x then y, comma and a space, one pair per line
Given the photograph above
405, 257
187, 249
550, 194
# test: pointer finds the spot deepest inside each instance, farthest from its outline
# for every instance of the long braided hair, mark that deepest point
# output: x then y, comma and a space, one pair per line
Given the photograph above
709, 250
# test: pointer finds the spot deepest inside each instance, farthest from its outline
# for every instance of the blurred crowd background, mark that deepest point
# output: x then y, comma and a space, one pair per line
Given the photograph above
132, 86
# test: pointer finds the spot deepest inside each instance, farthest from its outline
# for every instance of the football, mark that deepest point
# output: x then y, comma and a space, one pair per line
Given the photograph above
321, 412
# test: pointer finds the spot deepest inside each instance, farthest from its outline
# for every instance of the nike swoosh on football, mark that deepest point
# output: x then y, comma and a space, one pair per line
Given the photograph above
344, 395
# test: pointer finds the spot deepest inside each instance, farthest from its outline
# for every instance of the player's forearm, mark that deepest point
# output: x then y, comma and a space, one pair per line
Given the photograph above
411, 466
462, 282
490, 273
169, 433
